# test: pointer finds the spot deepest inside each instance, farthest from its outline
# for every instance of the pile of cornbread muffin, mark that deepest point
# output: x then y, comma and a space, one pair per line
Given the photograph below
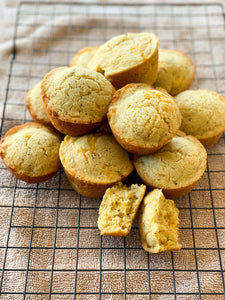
121, 106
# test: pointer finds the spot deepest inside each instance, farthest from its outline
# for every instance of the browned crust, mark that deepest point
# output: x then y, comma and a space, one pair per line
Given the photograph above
16, 173
146, 248
33, 113
118, 233
64, 126
68, 128
171, 193
210, 141
88, 189
29, 179
17, 128
133, 147
176, 193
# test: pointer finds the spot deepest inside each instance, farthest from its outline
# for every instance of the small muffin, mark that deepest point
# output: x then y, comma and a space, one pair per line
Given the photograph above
143, 119
203, 115
76, 99
176, 71
83, 57
128, 58
118, 209
158, 221
175, 168
31, 152
35, 105
94, 162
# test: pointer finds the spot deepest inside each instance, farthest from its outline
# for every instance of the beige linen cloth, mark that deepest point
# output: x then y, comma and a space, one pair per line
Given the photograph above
49, 240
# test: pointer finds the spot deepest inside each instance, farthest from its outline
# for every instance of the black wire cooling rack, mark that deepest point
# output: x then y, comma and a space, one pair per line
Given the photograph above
50, 246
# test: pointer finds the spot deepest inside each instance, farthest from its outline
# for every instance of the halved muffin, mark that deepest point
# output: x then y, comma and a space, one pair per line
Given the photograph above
118, 208
158, 221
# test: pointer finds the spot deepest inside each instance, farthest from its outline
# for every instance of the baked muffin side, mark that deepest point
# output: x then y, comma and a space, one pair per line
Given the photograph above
118, 208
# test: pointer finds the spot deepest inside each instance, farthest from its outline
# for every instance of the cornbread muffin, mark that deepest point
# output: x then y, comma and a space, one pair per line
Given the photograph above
35, 105
128, 58
203, 115
83, 57
175, 168
176, 71
31, 152
76, 99
118, 208
94, 162
158, 221
143, 119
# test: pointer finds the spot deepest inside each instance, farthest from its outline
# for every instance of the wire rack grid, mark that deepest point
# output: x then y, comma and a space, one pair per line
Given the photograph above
50, 246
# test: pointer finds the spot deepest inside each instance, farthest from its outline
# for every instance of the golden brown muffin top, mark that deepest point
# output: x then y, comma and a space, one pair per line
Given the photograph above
177, 164
77, 94
203, 113
95, 158
176, 71
31, 149
144, 116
